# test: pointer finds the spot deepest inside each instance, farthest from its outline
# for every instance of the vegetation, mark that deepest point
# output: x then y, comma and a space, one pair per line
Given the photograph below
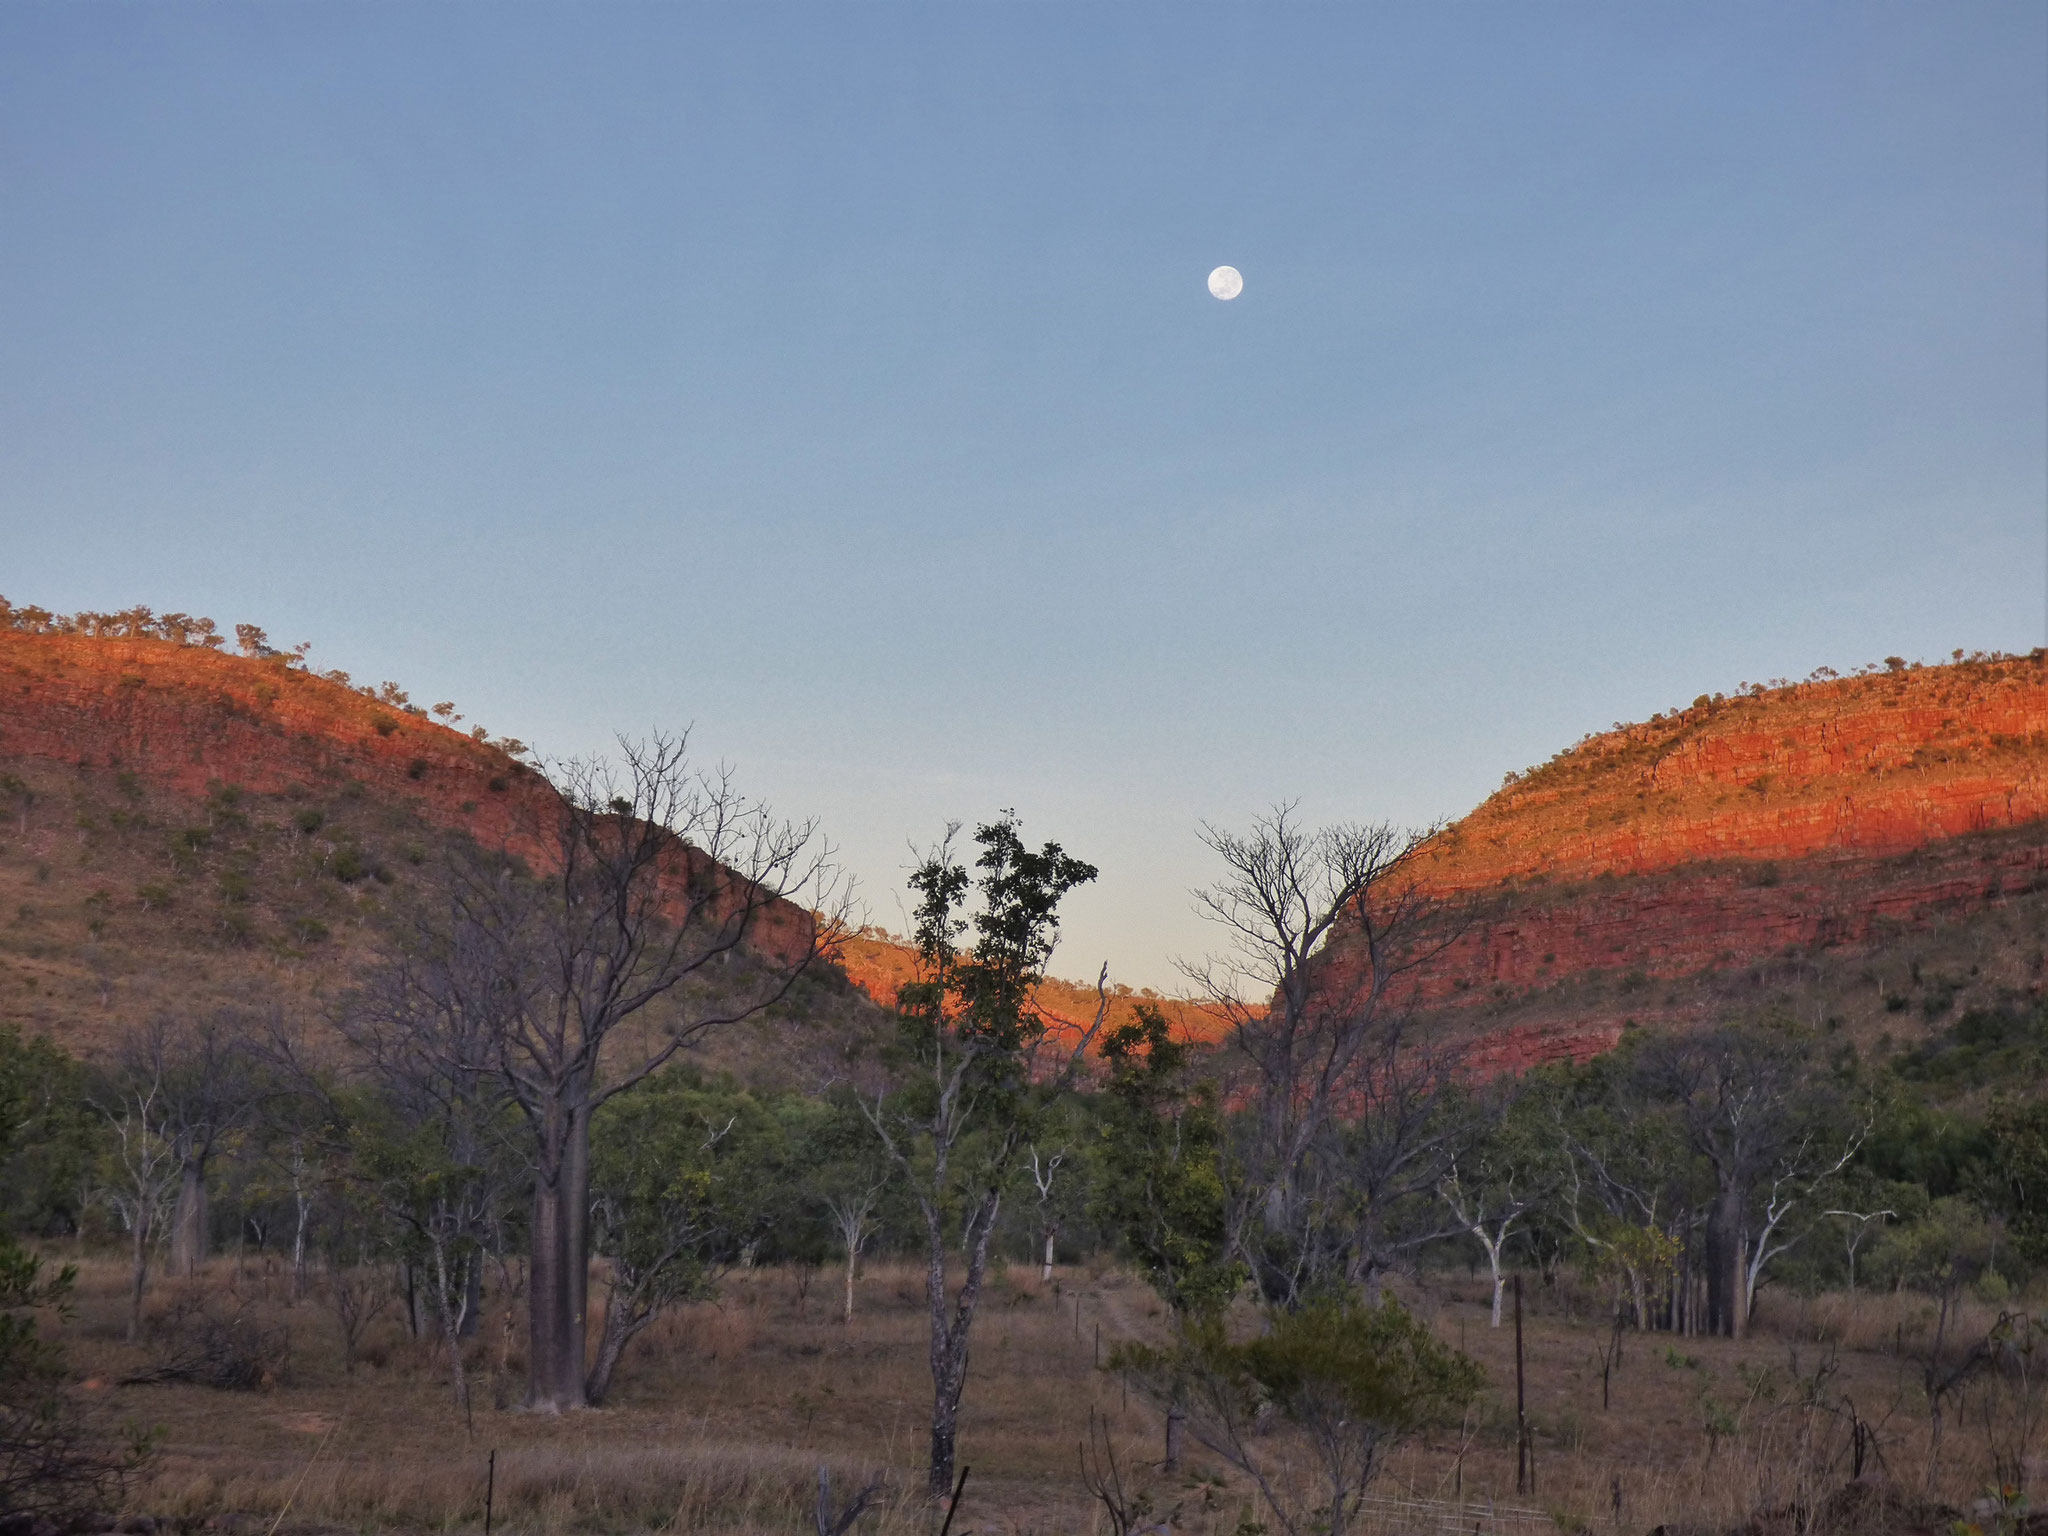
582, 1125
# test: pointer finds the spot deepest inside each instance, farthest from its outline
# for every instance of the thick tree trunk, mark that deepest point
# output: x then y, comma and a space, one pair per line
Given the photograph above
1045, 1273
576, 1252
188, 1221
1725, 1302
852, 1257
545, 1322
558, 1285
1176, 1437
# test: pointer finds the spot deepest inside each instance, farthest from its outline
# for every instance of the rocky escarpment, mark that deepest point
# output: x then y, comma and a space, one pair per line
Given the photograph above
1862, 815
181, 827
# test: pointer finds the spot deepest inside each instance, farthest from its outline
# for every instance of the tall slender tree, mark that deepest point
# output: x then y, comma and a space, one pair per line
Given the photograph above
981, 1061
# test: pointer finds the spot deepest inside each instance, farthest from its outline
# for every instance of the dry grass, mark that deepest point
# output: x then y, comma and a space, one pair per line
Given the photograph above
724, 1412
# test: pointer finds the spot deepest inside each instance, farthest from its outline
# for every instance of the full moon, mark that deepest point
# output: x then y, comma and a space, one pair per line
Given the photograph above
1226, 282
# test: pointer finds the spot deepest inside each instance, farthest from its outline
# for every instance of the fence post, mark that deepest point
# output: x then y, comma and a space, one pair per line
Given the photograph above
1525, 1451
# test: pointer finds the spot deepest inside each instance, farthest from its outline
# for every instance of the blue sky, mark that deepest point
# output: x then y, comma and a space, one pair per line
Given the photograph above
841, 379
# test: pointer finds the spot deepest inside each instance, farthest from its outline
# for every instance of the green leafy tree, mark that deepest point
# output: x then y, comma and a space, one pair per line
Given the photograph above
1161, 1189
979, 1062
686, 1177
51, 1134
2018, 1132
52, 1462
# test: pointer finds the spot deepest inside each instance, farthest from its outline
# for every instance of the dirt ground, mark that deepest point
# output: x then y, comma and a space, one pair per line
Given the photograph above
725, 1411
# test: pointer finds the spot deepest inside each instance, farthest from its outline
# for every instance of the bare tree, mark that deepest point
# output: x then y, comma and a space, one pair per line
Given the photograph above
853, 1210
430, 1145
145, 1160
1044, 1171
1346, 1126
211, 1084
665, 899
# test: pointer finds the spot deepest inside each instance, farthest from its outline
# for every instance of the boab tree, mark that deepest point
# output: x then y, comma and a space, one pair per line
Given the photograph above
665, 900
1753, 1104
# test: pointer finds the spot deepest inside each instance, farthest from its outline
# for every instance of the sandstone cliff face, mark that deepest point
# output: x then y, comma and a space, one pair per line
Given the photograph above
1866, 765
188, 720
1828, 816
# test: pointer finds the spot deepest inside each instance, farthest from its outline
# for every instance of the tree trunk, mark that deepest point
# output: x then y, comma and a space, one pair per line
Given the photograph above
619, 1327
1500, 1284
852, 1256
451, 1332
1045, 1274
303, 1210
472, 1314
1724, 1264
545, 1320
951, 1327
188, 1221
1176, 1437
558, 1281
140, 1278
576, 1254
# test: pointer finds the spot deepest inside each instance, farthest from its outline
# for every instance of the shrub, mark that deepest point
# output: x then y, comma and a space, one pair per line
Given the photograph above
1353, 1380
195, 1343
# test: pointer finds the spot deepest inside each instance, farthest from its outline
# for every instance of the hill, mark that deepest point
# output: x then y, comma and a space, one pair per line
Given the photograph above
1849, 848
181, 827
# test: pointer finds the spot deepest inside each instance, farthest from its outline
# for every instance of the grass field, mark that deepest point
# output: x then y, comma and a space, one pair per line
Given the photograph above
724, 1412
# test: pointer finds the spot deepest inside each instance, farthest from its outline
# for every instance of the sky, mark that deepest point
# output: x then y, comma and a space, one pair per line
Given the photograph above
840, 381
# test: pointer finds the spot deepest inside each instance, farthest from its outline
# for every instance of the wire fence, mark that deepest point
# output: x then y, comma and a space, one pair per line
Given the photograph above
1394, 1516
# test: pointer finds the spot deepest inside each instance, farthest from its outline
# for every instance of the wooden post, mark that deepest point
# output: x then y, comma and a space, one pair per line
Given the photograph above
490, 1490
1525, 1459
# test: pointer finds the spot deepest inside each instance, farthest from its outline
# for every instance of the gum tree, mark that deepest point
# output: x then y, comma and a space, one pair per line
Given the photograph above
980, 1062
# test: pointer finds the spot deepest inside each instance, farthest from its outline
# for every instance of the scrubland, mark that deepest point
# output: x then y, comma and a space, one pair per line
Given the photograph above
726, 1411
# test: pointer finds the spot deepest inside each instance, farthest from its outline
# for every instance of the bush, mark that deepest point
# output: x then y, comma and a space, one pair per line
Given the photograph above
1353, 1380
194, 1343
52, 1464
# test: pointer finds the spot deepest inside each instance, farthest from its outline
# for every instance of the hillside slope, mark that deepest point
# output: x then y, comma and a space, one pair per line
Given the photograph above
185, 828
1672, 869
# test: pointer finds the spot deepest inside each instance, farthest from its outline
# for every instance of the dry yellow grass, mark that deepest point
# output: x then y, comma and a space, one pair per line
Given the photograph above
724, 1411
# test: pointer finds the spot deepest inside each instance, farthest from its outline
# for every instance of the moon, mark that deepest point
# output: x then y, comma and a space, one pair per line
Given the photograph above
1226, 282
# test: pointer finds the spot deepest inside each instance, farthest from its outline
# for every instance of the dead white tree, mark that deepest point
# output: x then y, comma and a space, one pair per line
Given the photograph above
1044, 1170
